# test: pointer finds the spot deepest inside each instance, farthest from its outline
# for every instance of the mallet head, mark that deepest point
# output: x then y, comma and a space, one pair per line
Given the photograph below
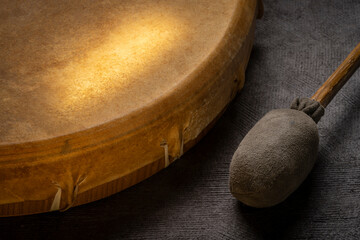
274, 158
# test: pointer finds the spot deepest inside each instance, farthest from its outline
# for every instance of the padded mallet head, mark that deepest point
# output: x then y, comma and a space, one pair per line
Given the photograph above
276, 155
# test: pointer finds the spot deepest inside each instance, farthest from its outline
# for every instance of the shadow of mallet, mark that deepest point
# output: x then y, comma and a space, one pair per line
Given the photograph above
278, 153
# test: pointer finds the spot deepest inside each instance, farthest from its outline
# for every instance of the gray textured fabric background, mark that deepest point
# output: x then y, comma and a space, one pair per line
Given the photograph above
298, 44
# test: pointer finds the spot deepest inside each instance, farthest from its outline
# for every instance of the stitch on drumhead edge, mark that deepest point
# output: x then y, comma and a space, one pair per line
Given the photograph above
57, 199
166, 152
75, 192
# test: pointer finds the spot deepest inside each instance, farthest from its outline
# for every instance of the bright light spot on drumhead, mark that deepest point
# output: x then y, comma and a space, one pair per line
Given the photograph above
126, 52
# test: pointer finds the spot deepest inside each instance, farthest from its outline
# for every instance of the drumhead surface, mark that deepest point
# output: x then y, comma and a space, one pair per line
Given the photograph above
73, 65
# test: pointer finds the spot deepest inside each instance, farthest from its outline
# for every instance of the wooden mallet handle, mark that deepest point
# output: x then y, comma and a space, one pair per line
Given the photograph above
335, 82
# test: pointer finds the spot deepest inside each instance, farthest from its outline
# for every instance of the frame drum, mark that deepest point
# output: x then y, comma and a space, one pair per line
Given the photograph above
97, 96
